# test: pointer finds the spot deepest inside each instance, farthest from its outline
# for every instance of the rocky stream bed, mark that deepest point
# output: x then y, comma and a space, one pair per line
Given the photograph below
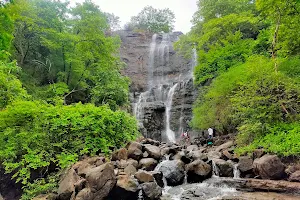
153, 170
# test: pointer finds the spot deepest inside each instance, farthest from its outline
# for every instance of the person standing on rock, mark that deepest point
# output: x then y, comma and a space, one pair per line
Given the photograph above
210, 136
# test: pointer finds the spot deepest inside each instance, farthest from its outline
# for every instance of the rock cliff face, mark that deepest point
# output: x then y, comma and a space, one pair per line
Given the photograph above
162, 90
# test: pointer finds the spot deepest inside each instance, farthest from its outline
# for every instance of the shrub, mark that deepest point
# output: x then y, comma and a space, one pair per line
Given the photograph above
35, 135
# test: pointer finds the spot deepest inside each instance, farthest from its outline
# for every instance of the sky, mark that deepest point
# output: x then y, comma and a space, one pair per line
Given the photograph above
125, 9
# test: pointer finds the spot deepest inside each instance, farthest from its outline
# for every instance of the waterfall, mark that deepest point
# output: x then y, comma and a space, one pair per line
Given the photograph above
151, 61
166, 73
170, 134
236, 171
215, 168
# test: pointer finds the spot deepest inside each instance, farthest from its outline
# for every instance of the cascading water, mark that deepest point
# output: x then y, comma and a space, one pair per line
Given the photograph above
169, 132
236, 171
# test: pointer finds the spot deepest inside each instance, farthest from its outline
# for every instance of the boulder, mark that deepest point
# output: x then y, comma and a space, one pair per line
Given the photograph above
153, 151
164, 151
151, 191
227, 155
197, 155
128, 183
144, 176
258, 153
130, 169
192, 148
269, 167
225, 167
150, 141
126, 188
158, 176
295, 177
198, 171
173, 171
122, 164
84, 194
101, 180
226, 145
245, 163
145, 154
135, 151
66, 188
122, 154
133, 162
148, 164
214, 155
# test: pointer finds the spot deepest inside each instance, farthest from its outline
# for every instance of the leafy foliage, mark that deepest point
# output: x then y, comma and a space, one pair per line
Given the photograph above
35, 135
248, 71
10, 87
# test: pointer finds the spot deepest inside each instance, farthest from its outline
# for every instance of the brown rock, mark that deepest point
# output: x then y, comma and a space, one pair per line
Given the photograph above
258, 153
245, 164
198, 171
135, 151
101, 180
122, 154
144, 176
147, 164
295, 177
127, 183
269, 167
67, 186
130, 169
227, 155
84, 194
133, 162
226, 145
153, 151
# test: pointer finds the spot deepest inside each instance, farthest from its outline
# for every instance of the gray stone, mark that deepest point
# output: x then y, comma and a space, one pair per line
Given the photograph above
225, 167
151, 191
173, 171
245, 163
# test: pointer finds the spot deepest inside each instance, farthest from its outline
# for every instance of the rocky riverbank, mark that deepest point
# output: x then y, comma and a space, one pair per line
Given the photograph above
147, 169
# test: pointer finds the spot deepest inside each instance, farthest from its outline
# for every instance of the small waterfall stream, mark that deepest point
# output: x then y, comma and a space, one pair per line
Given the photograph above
169, 132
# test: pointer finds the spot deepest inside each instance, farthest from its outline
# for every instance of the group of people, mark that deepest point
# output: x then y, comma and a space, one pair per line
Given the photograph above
186, 138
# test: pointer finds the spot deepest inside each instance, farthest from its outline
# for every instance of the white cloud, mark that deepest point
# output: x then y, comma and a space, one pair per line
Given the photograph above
125, 9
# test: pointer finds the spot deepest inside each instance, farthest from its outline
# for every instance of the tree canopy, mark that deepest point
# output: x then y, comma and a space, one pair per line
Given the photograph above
62, 93
247, 73
154, 20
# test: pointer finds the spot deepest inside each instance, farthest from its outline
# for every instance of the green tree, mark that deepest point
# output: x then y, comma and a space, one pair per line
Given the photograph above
154, 20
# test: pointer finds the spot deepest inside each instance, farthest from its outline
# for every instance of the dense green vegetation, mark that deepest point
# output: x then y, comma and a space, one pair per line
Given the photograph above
61, 89
248, 71
153, 20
